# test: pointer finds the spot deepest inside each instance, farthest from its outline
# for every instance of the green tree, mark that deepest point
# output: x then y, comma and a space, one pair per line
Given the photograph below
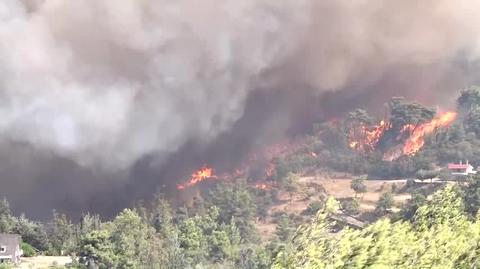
385, 203
134, 241
351, 206
32, 233
234, 201
426, 174
172, 255
313, 208
445, 206
418, 200
403, 113
88, 223
358, 186
181, 214
441, 236
282, 169
97, 250
291, 184
469, 99
226, 243
62, 235
253, 258
471, 121
161, 218
264, 199
193, 241
7, 221
283, 230
358, 117
28, 250
472, 197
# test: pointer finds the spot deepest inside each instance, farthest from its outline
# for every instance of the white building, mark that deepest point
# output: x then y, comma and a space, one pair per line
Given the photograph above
460, 169
10, 248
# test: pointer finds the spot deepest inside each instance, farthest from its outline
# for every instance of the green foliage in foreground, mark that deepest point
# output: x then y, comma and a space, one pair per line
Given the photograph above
6, 266
28, 250
440, 235
217, 233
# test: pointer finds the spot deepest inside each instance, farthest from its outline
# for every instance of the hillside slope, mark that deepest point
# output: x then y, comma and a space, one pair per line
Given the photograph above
440, 236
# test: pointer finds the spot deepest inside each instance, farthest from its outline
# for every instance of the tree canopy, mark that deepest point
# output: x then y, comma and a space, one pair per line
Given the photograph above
440, 236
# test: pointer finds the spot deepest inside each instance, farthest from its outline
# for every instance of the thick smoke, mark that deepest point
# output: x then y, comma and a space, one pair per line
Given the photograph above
100, 84
109, 81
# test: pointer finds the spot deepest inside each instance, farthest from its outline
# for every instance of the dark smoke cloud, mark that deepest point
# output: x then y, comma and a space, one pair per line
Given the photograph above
102, 97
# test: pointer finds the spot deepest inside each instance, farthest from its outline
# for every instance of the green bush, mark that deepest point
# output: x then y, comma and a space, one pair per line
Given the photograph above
6, 266
313, 208
351, 206
28, 250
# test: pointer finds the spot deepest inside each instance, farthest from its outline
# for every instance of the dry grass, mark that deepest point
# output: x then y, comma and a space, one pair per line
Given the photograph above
338, 188
41, 262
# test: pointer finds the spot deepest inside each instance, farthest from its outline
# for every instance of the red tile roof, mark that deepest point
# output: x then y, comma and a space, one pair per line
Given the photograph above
457, 166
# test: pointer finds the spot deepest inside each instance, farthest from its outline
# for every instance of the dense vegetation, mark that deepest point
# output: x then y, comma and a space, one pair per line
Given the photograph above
441, 234
218, 228
217, 232
330, 145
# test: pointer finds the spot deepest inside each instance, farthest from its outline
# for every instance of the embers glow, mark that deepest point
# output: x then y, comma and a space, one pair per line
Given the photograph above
198, 176
262, 186
264, 158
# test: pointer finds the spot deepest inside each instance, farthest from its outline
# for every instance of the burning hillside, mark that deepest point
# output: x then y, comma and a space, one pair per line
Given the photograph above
416, 135
391, 137
259, 165
124, 98
200, 175
364, 138
409, 140
207, 173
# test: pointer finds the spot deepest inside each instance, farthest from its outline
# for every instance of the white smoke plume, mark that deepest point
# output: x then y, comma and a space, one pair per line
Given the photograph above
107, 81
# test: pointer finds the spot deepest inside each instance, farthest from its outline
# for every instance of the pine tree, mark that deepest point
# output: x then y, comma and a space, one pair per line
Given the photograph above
283, 230
7, 221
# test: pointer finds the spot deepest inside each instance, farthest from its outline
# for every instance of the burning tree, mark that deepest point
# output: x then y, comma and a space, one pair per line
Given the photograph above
198, 176
416, 135
363, 136
402, 134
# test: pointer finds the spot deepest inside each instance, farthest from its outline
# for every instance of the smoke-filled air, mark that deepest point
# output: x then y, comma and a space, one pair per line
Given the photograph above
96, 86
239, 134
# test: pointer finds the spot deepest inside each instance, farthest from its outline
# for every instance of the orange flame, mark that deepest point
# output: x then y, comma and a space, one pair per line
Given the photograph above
365, 139
261, 186
198, 176
416, 139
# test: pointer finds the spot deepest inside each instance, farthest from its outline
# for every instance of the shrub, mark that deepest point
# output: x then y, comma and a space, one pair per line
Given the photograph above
313, 208
385, 203
6, 266
28, 250
351, 206
410, 182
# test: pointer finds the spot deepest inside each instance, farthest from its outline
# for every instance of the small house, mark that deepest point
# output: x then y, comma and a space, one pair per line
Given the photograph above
10, 250
460, 169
